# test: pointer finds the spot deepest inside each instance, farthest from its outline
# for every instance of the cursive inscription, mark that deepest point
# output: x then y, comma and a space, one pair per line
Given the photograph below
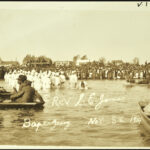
92, 100
52, 124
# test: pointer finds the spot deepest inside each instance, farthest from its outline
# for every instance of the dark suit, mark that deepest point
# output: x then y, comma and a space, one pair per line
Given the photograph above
26, 94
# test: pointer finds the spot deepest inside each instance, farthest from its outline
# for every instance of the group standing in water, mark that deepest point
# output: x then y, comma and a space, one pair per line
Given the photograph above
45, 80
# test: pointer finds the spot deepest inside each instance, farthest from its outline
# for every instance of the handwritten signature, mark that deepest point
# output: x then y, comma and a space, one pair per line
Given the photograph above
53, 124
81, 101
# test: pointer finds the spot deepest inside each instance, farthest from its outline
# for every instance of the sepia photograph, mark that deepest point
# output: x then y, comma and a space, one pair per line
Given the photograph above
74, 74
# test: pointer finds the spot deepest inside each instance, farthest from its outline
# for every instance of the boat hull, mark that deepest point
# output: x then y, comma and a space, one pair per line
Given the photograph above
145, 119
20, 105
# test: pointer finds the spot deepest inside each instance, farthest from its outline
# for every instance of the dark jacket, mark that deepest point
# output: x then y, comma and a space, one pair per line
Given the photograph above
24, 95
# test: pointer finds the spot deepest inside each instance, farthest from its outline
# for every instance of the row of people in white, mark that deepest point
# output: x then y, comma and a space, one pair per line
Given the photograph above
43, 80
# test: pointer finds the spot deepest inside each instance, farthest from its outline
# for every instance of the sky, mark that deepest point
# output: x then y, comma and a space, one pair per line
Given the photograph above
61, 30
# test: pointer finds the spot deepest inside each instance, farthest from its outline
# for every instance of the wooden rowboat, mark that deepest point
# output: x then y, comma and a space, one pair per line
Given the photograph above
138, 81
144, 118
5, 95
7, 105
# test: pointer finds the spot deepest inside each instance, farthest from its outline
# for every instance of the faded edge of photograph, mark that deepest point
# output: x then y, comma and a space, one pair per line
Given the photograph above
75, 74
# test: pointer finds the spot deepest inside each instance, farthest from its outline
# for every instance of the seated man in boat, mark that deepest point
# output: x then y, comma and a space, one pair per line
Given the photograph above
26, 93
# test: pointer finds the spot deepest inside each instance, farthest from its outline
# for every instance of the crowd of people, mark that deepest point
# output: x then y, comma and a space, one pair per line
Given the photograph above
43, 80
96, 71
39, 80
27, 82
46, 78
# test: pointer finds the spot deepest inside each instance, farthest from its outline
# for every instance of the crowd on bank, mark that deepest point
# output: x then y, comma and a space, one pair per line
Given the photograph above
95, 71
45, 78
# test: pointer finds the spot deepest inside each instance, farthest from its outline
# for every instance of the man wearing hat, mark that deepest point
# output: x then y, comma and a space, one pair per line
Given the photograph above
21, 79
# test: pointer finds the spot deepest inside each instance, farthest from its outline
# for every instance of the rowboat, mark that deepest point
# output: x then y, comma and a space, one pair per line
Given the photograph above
5, 95
8, 105
138, 81
144, 117
143, 81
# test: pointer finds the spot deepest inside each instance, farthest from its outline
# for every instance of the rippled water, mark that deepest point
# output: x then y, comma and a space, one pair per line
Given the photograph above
118, 118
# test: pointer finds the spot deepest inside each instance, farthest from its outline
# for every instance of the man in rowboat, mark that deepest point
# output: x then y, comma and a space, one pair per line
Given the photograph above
26, 93
21, 80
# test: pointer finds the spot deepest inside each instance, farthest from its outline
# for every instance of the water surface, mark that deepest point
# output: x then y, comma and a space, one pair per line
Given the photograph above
118, 119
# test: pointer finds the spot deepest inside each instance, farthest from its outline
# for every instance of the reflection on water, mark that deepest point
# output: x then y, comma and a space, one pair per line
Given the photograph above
115, 123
